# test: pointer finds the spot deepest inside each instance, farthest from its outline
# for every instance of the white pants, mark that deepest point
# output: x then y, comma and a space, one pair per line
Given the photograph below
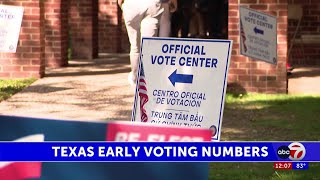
141, 20
165, 21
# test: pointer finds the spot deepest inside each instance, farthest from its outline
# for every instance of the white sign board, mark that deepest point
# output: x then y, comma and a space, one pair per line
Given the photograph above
258, 35
182, 82
10, 23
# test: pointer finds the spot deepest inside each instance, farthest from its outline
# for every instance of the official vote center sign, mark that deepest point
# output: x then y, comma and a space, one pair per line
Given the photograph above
10, 23
258, 35
182, 82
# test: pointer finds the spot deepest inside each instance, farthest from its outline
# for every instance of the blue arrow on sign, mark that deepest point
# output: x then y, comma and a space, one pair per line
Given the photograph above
180, 78
258, 31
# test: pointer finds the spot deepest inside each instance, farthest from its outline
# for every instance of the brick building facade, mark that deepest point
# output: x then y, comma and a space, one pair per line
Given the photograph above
306, 46
89, 27
29, 60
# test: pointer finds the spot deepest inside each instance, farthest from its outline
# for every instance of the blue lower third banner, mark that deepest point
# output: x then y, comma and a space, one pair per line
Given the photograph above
159, 151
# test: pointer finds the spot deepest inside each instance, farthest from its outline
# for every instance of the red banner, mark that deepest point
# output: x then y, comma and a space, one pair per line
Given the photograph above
21, 171
144, 132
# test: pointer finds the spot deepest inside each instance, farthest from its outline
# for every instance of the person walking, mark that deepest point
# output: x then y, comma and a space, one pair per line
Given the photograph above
142, 20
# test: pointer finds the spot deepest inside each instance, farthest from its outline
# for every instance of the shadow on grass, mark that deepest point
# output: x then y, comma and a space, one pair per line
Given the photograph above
268, 118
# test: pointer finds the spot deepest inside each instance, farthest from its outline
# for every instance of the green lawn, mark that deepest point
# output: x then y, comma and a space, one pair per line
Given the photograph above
259, 117
10, 87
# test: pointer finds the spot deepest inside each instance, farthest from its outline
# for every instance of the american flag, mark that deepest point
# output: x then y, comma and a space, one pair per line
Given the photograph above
243, 36
143, 94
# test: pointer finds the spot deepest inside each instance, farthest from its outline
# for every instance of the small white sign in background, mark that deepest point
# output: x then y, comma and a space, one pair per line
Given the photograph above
182, 82
10, 23
258, 35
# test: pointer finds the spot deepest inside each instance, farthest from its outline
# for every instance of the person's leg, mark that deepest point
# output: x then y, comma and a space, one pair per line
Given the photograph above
165, 22
134, 38
176, 23
186, 17
193, 26
213, 18
202, 30
133, 23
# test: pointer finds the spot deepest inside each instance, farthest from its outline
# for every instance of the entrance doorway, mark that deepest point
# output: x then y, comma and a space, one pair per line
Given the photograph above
200, 19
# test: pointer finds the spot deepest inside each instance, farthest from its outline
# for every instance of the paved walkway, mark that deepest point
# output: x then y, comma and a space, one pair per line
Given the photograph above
95, 89
304, 80
98, 90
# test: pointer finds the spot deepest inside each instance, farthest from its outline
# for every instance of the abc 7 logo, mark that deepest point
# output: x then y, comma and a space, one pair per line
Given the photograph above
295, 151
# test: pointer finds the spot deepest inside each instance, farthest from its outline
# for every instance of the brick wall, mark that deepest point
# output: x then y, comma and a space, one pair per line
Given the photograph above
56, 32
28, 61
306, 48
247, 74
82, 25
110, 23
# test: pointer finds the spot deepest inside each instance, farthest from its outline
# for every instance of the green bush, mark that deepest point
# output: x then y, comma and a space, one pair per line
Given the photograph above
11, 86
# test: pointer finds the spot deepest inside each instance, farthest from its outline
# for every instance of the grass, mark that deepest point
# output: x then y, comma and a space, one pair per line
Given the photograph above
260, 117
12, 86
